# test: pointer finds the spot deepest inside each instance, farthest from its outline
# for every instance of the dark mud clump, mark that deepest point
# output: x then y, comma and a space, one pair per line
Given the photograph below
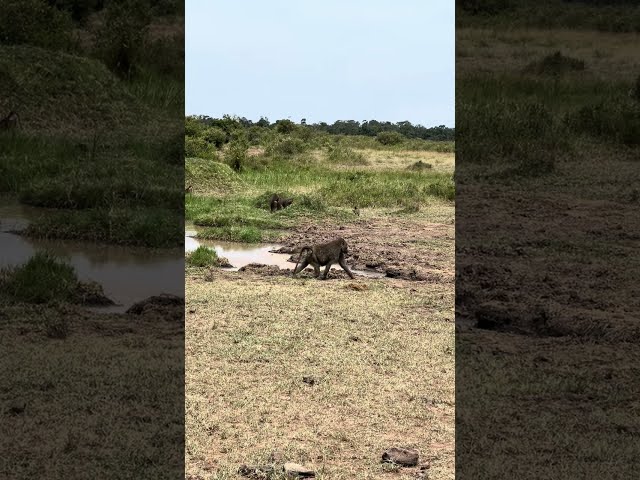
169, 307
262, 269
91, 294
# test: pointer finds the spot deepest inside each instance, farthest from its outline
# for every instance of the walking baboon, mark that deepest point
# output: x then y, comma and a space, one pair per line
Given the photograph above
356, 211
10, 122
323, 255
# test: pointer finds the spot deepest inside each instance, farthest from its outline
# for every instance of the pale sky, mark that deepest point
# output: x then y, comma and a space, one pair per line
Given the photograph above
322, 60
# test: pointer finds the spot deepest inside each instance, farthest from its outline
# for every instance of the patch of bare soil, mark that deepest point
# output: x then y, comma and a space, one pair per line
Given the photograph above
404, 248
578, 259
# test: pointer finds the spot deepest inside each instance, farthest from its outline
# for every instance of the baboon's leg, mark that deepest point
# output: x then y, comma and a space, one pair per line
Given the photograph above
316, 271
326, 271
344, 266
301, 266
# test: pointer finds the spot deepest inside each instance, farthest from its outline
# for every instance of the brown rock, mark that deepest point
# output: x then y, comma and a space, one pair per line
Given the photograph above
406, 457
293, 470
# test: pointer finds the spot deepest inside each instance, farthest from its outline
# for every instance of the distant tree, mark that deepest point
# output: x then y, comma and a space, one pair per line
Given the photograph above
285, 126
390, 138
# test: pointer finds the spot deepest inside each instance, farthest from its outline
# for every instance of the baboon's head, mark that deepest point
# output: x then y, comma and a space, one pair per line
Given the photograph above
343, 246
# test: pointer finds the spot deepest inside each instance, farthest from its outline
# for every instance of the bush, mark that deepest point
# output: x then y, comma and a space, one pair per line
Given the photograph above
215, 136
34, 22
120, 38
202, 257
41, 279
390, 138
198, 147
236, 156
286, 147
165, 56
285, 126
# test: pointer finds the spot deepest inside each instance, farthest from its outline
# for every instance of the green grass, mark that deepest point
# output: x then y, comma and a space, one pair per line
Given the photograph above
145, 227
235, 234
202, 257
206, 175
66, 94
41, 279
317, 187
94, 143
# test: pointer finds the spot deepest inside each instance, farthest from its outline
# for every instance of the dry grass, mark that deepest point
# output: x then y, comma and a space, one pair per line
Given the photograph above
383, 359
90, 402
482, 50
392, 160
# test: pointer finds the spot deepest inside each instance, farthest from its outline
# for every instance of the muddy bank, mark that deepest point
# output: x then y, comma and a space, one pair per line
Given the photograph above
408, 249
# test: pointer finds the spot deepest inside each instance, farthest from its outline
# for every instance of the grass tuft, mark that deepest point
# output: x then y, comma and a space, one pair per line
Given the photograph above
202, 257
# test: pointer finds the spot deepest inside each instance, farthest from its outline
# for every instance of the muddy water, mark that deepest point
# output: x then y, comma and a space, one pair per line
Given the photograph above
241, 254
126, 274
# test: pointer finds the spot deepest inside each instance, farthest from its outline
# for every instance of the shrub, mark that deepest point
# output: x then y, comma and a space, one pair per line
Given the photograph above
236, 156
390, 138
215, 136
34, 22
199, 148
285, 126
120, 38
202, 257
165, 56
286, 147
41, 279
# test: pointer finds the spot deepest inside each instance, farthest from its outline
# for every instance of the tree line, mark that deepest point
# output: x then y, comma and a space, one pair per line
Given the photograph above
369, 128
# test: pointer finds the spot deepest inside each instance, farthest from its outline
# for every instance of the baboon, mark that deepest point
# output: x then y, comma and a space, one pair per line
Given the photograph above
284, 202
323, 255
278, 203
274, 202
356, 211
10, 122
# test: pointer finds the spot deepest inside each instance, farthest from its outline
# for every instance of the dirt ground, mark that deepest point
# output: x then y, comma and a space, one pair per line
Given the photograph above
547, 298
77, 399
331, 373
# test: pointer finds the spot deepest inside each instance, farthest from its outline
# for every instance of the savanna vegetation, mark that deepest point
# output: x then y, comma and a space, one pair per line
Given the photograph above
97, 86
548, 131
324, 373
